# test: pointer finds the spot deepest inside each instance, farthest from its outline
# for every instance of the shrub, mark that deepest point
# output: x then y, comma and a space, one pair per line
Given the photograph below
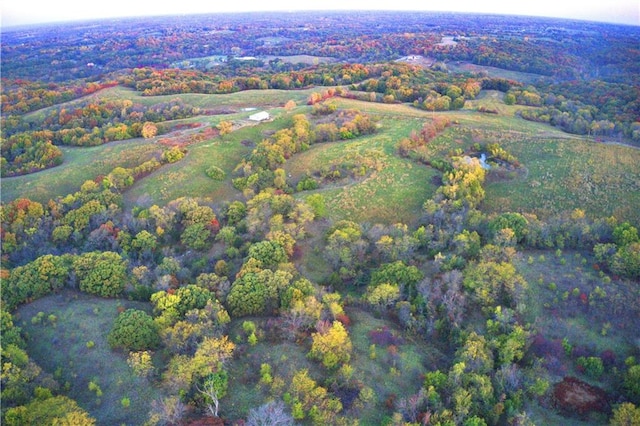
134, 330
307, 183
249, 327
172, 155
216, 173
631, 383
592, 366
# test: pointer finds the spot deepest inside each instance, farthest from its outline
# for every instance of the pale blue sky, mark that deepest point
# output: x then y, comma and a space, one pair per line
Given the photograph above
17, 12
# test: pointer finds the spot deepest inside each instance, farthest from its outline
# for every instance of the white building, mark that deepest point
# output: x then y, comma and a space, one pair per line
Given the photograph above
259, 116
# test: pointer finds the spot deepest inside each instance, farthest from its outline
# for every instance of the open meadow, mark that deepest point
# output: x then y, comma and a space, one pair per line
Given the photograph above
560, 172
67, 335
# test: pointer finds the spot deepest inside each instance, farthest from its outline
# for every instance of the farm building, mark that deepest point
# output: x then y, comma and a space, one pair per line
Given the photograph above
259, 116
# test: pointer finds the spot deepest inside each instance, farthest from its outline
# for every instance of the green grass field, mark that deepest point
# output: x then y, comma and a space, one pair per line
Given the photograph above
80, 164
61, 349
560, 172
233, 101
392, 192
563, 175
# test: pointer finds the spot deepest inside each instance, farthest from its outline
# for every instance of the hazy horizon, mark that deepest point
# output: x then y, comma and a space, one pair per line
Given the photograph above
16, 13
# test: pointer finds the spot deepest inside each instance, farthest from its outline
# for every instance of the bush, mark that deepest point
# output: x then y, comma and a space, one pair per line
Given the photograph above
216, 173
631, 383
172, 155
134, 330
592, 366
307, 183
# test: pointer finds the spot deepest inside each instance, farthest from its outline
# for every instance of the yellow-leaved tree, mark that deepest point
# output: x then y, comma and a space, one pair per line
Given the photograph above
331, 345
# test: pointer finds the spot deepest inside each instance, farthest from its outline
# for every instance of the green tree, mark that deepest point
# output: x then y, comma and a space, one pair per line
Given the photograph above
214, 388
625, 234
514, 221
592, 365
467, 244
101, 273
173, 155
36, 279
192, 297
631, 383
269, 253
345, 247
196, 236
626, 261
257, 292
383, 296
476, 354
494, 283
134, 330
56, 410
144, 243
215, 173
236, 211
119, 178
625, 414
19, 374
398, 273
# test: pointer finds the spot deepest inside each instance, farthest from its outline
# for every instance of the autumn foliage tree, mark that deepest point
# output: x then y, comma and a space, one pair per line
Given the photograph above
149, 130
331, 345
225, 127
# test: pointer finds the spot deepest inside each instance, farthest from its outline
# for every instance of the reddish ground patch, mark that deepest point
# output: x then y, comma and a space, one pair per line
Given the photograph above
572, 395
183, 138
207, 421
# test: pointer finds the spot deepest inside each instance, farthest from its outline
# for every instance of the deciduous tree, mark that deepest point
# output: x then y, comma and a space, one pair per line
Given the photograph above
101, 273
134, 330
332, 347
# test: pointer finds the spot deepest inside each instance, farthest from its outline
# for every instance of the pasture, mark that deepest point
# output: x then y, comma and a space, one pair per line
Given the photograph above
560, 172
79, 165
70, 343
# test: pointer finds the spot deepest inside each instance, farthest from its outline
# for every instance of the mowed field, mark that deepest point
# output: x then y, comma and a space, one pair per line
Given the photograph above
560, 172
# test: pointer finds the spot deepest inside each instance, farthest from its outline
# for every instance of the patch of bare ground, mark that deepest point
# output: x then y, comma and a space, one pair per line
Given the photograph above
573, 396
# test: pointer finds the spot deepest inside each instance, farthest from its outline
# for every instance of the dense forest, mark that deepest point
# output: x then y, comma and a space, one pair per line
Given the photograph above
433, 221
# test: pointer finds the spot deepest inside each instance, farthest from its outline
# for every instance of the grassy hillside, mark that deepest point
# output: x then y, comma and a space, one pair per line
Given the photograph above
560, 172
73, 347
80, 164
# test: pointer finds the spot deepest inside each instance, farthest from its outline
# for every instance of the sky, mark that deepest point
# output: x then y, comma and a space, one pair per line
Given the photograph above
19, 12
